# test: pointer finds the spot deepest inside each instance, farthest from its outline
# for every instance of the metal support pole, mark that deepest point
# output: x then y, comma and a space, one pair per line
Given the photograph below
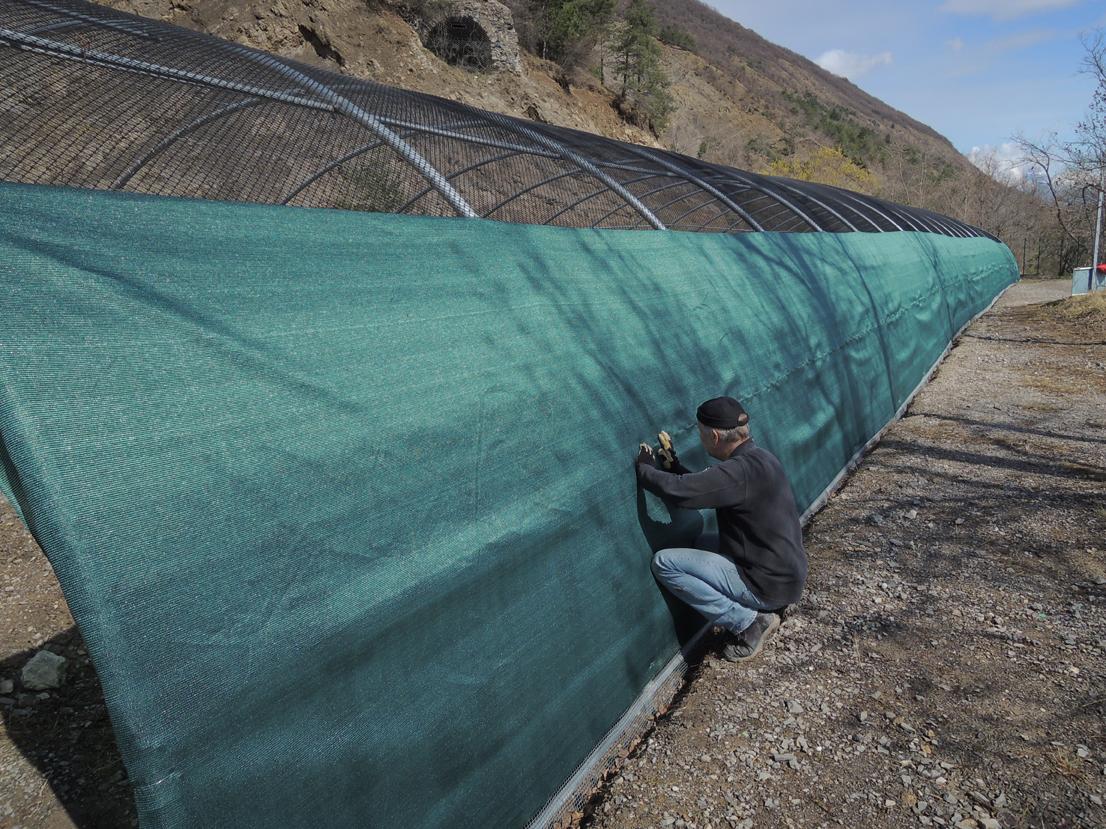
1097, 229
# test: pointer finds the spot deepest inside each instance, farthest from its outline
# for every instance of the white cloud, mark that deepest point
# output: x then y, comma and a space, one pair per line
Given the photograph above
1022, 40
1005, 9
1003, 162
956, 44
984, 56
850, 64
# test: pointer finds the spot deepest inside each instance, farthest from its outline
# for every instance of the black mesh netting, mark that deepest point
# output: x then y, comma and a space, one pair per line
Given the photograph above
92, 97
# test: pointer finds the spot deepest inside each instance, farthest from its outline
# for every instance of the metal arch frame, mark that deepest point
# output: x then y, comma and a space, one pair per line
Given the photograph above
942, 228
705, 185
695, 209
521, 149
677, 183
533, 187
819, 188
668, 186
52, 27
807, 195
915, 221
702, 228
319, 91
364, 148
330, 165
908, 220
678, 199
760, 196
866, 204
581, 162
426, 190
802, 214
958, 228
133, 28
768, 207
954, 228
917, 217
54, 48
123, 178
930, 222
783, 219
374, 124
734, 175
334, 101
772, 212
592, 195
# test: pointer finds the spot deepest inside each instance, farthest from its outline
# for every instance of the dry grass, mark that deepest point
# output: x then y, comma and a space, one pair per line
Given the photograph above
1089, 309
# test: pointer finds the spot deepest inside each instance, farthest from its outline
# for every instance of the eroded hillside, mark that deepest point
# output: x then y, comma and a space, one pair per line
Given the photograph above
740, 100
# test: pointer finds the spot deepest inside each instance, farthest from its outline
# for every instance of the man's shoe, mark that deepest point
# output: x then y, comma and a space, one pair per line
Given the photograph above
752, 640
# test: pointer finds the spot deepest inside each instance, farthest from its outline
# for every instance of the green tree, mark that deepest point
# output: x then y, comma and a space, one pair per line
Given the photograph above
566, 31
675, 36
643, 97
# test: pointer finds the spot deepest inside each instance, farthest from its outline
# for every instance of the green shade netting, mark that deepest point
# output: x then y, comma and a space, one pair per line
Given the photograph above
343, 503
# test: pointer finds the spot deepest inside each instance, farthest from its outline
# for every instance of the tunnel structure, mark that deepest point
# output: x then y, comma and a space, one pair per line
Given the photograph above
322, 396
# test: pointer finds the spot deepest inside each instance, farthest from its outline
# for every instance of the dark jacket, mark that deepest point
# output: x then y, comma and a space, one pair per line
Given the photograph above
758, 523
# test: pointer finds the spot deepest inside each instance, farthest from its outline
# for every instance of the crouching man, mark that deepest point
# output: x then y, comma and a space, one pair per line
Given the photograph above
757, 566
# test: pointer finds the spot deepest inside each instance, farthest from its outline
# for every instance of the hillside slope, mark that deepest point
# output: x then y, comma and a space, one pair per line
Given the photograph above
752, 101
741, 100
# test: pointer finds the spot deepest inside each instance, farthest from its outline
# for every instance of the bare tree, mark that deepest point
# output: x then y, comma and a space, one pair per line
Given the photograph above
1069, 172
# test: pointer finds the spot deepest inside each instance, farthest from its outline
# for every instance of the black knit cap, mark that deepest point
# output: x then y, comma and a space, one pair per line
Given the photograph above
722, 413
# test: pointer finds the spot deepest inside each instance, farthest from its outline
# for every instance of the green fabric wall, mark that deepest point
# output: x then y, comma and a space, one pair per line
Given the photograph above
343, 503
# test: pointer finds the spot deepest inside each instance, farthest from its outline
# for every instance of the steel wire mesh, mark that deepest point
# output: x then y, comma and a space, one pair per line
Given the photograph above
97, 98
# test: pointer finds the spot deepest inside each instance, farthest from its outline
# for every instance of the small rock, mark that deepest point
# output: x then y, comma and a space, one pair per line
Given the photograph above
43, 670
794, 707
980, 798
6, 686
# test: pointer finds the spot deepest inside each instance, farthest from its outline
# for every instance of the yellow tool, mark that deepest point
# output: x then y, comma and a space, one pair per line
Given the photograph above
666, 453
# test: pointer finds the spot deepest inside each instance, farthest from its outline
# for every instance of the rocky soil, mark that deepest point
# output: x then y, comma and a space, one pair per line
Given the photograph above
946, 667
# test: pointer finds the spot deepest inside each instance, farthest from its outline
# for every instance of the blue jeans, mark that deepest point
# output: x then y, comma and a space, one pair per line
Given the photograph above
709, 582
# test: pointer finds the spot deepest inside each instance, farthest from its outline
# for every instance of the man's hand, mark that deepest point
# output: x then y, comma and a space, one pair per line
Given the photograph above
667, 452
645, 455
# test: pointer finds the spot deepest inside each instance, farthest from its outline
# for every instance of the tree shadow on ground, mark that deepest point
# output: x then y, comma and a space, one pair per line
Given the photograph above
1006, 427
68, 738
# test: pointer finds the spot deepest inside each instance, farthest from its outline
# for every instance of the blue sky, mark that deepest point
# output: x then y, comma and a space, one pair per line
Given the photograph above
977, 71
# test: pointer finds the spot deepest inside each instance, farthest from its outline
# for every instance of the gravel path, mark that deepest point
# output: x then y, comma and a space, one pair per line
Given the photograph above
945, 668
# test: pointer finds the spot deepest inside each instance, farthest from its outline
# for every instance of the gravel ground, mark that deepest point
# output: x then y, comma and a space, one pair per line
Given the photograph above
945, 667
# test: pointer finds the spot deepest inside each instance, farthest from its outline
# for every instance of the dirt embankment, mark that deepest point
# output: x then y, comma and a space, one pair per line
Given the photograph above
947, 666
